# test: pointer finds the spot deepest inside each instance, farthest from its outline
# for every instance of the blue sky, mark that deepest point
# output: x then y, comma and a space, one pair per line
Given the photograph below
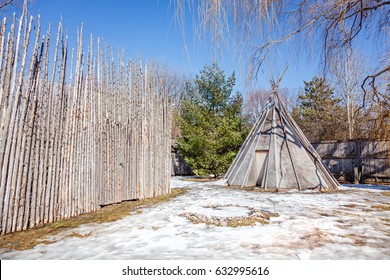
147, 29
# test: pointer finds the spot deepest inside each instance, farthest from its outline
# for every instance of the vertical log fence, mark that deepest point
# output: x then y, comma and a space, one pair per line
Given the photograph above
76, 132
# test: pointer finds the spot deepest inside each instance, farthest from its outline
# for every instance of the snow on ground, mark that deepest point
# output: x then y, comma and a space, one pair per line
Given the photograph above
351, 224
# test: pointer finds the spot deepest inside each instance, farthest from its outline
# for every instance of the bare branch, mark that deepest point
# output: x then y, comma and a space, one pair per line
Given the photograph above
376, 7
373, 86
5, 3
336, 23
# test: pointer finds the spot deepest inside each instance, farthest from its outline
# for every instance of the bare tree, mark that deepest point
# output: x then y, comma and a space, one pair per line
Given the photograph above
335, 24
373, 121
376, 121
174, 82
348, 69
254, 102
256, 99
175, 86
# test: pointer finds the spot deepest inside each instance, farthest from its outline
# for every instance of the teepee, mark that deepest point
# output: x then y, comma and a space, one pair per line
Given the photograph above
277, 155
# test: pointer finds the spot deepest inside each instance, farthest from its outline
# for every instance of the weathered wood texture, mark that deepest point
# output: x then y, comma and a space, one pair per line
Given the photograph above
277, 155
79, 129
372, 158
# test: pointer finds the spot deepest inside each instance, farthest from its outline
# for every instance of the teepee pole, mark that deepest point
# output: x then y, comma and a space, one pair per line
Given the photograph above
288, 145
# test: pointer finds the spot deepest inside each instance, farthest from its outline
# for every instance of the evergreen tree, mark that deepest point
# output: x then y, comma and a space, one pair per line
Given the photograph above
210, 120
319, 113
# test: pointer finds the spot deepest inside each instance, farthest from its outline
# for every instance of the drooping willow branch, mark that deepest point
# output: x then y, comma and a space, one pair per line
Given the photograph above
371, 83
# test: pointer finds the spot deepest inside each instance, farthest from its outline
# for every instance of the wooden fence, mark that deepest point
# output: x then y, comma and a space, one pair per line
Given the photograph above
79, 129
357, 161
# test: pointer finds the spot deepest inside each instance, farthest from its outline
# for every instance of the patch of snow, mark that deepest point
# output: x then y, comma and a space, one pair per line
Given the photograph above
303, 254
179, 182
221, 182
184, 182
340, 225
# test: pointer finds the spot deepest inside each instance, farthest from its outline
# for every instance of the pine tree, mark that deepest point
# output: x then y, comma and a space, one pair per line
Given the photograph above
210, 120
319, 113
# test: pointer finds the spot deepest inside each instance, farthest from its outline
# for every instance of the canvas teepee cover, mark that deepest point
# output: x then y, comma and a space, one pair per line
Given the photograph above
276, 154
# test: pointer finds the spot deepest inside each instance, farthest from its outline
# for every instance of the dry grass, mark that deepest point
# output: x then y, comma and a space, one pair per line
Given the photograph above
254, 216
273, 190
249, 221
358, 240
201, 179
352, 205
251, 189
381, 207
28, 239
78, 235
385, 220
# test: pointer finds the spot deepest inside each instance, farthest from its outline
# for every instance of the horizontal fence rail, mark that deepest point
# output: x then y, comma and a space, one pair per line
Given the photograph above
78, 129
358, 160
